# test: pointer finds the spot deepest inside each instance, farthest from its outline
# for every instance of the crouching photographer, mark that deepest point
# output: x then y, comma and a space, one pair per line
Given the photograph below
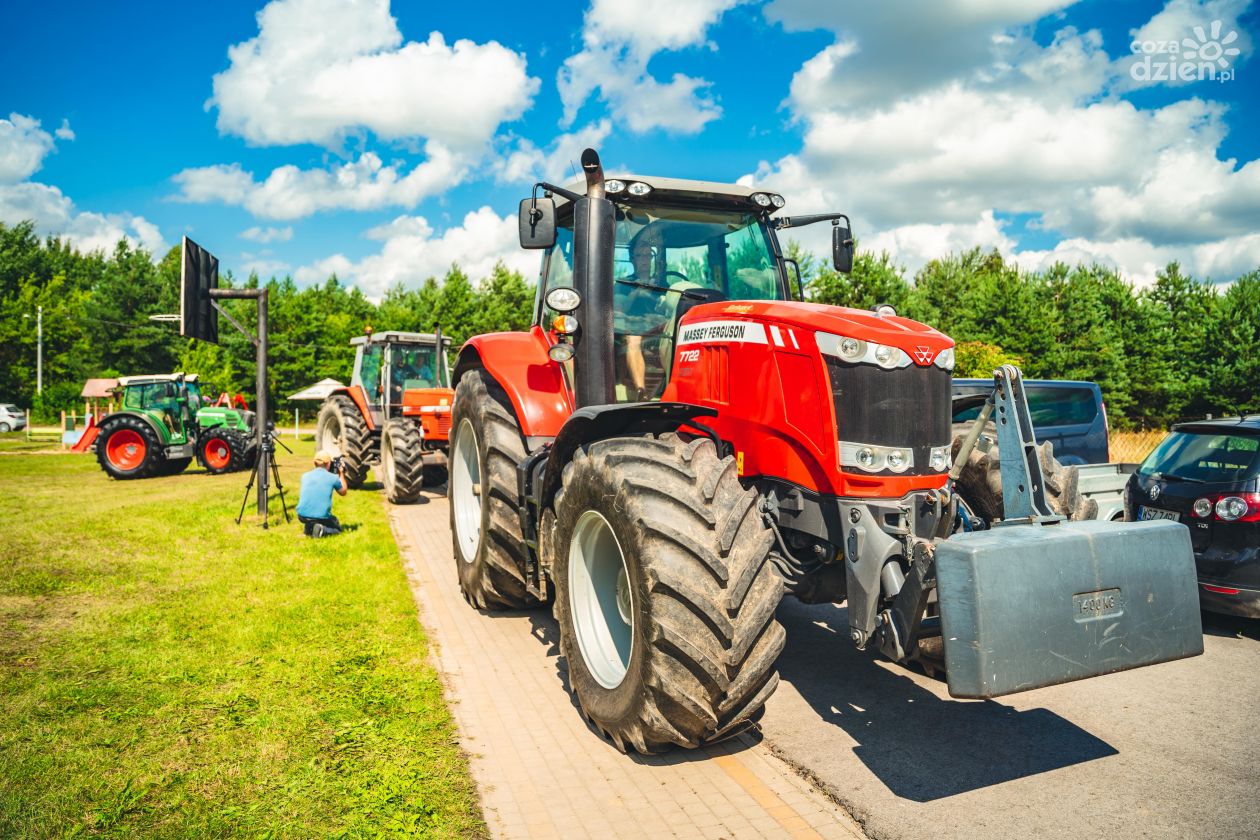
314, 507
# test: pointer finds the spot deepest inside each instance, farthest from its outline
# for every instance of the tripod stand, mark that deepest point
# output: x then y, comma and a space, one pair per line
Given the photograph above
266, 457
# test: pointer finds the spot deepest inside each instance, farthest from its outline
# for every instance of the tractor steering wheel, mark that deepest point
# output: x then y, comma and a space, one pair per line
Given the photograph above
678, 274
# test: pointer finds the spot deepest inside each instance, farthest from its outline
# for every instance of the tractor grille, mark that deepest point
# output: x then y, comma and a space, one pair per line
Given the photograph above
444, 424
908, 407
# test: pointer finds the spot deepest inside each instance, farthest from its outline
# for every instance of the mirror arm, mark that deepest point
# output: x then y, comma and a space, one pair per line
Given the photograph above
800, 221
552, 188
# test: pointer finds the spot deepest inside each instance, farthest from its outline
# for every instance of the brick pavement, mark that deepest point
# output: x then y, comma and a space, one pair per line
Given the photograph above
541, 770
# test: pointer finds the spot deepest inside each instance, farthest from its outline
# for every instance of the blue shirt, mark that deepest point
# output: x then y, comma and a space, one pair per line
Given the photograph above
315, 497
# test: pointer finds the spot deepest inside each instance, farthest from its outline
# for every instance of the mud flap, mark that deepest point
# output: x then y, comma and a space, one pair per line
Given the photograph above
1026, 606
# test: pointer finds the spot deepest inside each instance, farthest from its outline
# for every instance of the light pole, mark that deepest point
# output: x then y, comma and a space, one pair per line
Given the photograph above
39, 349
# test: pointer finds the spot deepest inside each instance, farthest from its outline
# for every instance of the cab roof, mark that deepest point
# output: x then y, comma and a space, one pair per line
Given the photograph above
700, 191
397, 337
146, 378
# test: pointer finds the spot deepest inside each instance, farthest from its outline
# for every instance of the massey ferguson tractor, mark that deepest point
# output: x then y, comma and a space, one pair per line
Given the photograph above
679, 439
396, 414
165, 422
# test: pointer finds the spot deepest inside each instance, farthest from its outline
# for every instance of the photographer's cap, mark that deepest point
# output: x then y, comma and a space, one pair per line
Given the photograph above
323, 458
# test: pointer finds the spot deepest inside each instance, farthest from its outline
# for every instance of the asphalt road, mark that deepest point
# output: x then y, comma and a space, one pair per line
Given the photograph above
1171, 750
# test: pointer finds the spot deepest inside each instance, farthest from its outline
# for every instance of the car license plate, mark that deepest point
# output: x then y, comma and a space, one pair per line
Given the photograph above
1155, 513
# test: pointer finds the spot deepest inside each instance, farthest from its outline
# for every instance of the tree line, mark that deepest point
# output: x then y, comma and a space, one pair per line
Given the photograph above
1178, 349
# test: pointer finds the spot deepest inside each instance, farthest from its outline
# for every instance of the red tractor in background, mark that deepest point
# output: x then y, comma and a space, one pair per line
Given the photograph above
395, 415
680, 439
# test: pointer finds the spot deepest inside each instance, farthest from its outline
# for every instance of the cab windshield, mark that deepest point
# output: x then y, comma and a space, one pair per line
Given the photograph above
666, 259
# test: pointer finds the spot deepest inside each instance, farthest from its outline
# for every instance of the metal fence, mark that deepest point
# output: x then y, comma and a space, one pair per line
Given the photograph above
1133, 447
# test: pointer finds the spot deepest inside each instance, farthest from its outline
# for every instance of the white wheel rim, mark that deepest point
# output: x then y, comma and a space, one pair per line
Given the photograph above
600, 599
387, 463
329, 441
465, 489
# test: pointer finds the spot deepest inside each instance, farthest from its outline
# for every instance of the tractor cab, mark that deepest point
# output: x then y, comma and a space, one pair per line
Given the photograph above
390, 365
173, 399
676, 244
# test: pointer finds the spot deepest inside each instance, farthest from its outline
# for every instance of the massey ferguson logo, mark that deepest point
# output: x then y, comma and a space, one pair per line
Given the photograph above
923, 354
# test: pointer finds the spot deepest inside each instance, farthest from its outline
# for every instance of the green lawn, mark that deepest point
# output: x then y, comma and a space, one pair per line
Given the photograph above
164, 672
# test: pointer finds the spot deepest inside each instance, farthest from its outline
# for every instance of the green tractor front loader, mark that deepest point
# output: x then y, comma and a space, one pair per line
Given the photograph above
165, 423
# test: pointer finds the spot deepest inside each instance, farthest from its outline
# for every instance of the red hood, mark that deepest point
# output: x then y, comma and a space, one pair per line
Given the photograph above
838, 320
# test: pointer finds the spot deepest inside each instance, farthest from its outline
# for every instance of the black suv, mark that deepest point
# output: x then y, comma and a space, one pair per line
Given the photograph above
1207, 475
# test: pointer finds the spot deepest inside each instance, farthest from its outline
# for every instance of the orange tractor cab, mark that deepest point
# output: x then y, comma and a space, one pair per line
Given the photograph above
395, 415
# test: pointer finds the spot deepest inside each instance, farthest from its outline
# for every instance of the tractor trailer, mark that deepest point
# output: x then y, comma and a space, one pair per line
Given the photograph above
679, 440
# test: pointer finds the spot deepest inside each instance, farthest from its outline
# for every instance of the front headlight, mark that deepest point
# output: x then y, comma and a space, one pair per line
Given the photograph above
938, 461
862, 352
945, 359
871, 458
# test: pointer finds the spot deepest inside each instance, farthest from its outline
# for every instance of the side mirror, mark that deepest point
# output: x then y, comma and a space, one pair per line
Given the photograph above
842, 248
171, 391
538, 223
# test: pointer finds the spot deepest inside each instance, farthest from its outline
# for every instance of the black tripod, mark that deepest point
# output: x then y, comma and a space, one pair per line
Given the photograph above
266, 456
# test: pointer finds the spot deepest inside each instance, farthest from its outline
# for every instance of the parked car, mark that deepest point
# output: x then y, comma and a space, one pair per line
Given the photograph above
1207, 475
12, 418
1071, 415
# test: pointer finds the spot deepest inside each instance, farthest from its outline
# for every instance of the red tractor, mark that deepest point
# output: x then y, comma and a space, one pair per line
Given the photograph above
395, 415
680, 439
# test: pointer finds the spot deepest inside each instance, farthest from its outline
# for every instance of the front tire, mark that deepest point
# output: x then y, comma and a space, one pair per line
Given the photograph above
341, 430
980, 483
128, 448
664, 593
486, 446
402, 467
222, 451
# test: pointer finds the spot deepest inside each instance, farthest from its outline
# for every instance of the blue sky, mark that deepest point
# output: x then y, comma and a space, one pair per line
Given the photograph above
382, 141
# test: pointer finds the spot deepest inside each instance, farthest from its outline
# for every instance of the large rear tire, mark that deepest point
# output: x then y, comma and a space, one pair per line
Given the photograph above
223, 451
486, 446
341, 430
128, 448
402, 466
664, 593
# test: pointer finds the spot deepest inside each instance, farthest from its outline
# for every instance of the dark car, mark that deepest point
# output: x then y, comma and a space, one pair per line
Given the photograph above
1069, 414
1207, 475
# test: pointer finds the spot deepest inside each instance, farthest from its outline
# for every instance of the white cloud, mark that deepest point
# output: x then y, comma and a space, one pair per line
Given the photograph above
557, 163
289, 192
319, 70
1014, 127
23, 147
265, 235
55, 215
64, 132
618, 41
879, 58
411, 252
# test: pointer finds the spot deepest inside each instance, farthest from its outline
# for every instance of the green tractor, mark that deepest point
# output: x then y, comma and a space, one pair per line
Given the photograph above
165, 422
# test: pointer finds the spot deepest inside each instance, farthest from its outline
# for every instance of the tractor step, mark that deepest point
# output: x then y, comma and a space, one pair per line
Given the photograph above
1028, 606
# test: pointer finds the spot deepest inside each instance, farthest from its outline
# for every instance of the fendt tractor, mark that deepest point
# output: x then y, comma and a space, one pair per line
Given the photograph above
680, 439
396, 414
164, 423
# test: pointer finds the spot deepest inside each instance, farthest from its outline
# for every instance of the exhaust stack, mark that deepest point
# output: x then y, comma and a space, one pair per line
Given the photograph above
593, 219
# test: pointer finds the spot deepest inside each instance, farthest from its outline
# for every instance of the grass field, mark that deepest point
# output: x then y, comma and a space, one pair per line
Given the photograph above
166, 673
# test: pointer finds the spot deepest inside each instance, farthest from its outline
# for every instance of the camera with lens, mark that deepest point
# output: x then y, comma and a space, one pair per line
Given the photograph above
334, 466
